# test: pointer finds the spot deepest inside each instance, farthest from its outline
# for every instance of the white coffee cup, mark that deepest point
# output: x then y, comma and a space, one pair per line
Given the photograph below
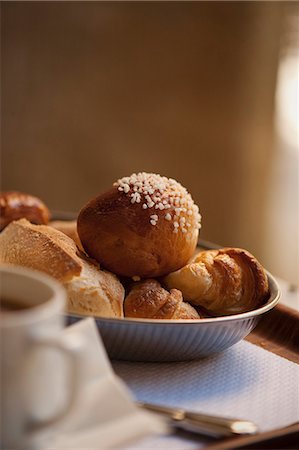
39, 367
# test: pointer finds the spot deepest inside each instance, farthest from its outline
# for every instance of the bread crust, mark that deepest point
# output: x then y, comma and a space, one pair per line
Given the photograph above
95, 292
41, 247
120, 236
224, 281
68, 227
17, 205
147, 299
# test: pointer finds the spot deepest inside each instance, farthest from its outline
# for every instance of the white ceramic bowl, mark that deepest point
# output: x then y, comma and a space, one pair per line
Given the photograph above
172, 340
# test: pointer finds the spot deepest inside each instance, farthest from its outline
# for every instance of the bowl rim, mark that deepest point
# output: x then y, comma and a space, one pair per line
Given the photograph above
275, 294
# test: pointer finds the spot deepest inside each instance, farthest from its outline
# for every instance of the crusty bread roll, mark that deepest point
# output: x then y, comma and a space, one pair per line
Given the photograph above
95, 292
225, 281
91, 291
68, 227
146, 226
17, 205
147, 299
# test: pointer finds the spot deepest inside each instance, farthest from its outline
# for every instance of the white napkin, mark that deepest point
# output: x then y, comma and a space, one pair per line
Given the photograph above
106, 415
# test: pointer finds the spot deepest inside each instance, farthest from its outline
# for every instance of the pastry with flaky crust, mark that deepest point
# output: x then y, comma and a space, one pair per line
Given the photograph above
147, 299
224, 281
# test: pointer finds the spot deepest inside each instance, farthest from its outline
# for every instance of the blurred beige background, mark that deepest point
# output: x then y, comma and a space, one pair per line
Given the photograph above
95, 91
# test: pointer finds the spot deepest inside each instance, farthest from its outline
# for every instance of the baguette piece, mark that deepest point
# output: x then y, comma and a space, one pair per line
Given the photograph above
91, 291
224, 281
68, 227
147, 299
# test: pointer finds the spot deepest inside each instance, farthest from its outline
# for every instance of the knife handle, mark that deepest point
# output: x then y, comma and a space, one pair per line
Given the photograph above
203, 423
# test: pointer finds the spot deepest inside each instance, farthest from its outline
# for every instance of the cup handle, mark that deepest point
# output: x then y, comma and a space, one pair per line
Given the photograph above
71, 348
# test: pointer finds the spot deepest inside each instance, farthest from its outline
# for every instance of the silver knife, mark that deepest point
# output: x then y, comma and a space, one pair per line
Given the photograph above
203, 423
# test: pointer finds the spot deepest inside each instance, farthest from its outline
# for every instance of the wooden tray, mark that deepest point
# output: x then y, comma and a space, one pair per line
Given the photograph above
278, 332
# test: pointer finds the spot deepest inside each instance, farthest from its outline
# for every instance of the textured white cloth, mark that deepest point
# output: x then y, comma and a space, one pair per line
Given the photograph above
245, 382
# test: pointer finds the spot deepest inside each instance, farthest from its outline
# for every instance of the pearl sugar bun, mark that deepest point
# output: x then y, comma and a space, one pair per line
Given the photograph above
145, 226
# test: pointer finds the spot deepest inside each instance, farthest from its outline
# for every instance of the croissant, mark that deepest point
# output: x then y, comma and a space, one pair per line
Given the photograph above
225, 281
147, 299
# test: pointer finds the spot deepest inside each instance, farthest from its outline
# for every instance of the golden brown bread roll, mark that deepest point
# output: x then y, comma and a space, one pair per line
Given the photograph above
68, 227
95, 292
17, 205
146, 226
147, 299
40, 247
225, 281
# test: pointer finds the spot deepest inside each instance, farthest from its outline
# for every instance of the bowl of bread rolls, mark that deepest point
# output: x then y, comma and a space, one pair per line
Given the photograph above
132, 259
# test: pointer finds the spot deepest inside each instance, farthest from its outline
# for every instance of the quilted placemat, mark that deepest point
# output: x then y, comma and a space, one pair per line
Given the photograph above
245, 382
